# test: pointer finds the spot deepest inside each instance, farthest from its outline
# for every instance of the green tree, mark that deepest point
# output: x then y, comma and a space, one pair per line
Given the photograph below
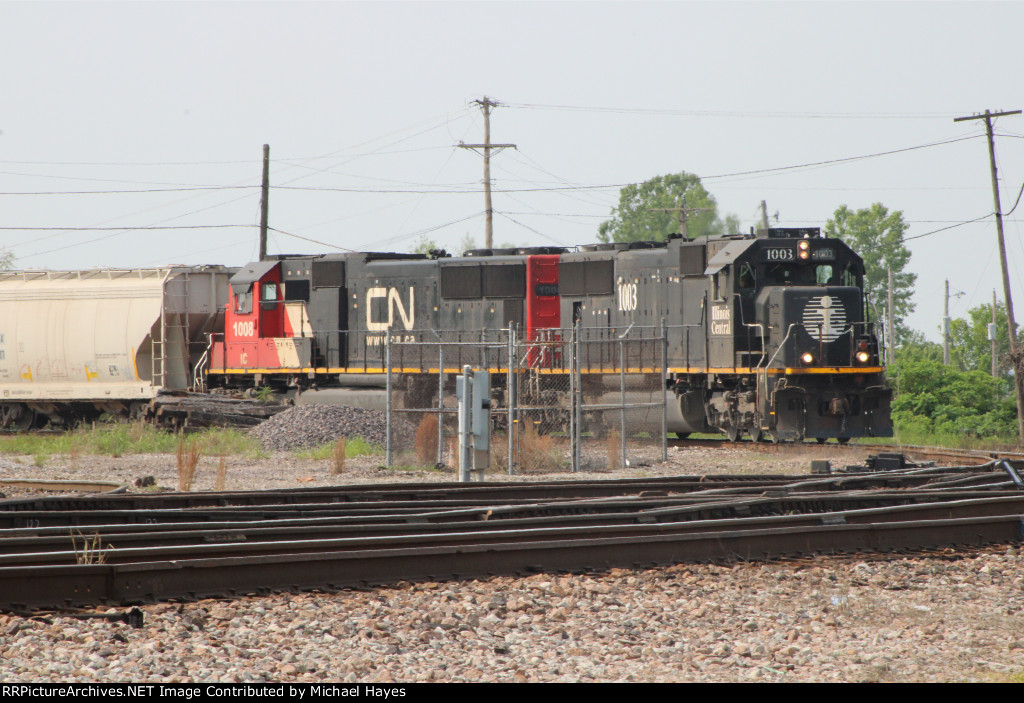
645, 211
915, 347
6, 260
933, 398
424, 244
969, 348
877, 235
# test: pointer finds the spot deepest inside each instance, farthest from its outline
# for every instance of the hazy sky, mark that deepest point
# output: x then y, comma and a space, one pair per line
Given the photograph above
134, 115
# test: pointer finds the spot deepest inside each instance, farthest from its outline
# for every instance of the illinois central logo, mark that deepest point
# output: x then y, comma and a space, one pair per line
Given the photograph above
824, 318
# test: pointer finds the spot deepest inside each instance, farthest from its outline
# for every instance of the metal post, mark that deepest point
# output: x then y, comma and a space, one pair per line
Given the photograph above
574, 417
440, 403
578, 398
387, 364
664, 388
622, 397
510, 421
465, 431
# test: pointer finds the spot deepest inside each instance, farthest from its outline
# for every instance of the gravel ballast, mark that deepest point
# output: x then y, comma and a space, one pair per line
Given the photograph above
309, 426
907, 618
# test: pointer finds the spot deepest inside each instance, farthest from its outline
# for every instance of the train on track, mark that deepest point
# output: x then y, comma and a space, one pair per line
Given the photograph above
763, 335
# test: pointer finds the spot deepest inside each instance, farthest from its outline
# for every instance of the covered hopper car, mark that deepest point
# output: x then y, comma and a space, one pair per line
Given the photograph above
78, 344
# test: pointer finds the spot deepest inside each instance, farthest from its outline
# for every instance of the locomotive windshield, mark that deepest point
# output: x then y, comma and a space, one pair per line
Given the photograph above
799, 274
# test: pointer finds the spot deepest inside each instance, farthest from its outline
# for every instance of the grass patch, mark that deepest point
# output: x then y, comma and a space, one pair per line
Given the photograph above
118, 439
354, 447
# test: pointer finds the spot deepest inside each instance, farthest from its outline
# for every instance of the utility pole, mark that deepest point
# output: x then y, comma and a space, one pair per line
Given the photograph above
947, 321
1002, 257
265, 202
892, 321
992, 334
486, 104
945, 330
684, 214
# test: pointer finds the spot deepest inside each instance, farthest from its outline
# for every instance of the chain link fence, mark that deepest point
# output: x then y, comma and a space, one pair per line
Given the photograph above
568, 400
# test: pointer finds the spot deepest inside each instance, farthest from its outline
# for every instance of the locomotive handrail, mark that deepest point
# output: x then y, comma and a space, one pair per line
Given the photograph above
197, 375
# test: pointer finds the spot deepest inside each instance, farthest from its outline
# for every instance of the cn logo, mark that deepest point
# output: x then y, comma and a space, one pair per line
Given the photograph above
394, 301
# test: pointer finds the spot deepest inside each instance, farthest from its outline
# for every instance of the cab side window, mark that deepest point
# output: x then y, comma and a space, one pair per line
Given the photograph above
243, 300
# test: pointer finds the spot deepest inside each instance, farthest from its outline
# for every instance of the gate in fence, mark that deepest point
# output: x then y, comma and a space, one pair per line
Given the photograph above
577, 399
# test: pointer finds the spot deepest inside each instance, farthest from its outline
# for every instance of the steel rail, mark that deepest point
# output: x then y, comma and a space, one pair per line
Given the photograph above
370, 496
256, 543
457, 512
89, 584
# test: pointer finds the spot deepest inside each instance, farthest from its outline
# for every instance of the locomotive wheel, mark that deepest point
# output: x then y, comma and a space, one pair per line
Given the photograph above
773, 437
821, 440
756, 434
843, 440
733, 433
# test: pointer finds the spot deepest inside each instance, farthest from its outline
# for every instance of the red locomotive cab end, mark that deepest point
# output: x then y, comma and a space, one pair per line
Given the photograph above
254, 322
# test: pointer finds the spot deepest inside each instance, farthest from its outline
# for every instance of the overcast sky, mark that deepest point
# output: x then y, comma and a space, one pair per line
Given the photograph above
362, 104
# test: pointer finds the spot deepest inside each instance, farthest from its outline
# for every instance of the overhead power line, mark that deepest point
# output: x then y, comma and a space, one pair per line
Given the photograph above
737, 113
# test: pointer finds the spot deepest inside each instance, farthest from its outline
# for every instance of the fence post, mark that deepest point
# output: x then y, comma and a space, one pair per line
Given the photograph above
622, 398
573, 414
465, 426
510, 383
387, 365
663, 394
577, 400
440, 403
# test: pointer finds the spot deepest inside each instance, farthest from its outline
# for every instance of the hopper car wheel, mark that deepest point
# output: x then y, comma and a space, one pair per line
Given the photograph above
25, 420
682, 435
821, 440
843, 440
733, 433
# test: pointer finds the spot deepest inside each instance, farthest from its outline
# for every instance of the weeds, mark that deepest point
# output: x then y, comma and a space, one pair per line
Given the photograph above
613, 445
539, 452
426, 440
188, 460
222, 475
338, 456
91, 551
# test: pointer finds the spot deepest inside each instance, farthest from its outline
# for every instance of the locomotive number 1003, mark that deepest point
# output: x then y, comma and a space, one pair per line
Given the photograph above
778, 254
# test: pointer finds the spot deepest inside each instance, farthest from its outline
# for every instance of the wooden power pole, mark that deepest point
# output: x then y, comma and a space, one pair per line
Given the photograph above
486, 104
1002, 256
265, 202
945, 330
684, 214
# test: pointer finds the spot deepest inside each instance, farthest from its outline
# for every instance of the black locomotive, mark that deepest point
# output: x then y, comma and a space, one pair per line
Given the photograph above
765, 334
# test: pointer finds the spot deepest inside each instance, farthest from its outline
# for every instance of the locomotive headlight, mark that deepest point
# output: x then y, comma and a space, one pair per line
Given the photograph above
863, 357
807, 358
804, 255
803, 245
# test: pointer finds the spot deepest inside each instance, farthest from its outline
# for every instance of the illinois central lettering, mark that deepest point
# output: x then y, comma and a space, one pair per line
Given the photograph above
721, 320
394, 301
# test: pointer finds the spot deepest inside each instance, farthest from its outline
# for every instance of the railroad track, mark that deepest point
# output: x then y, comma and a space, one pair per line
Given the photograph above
962, 457
131, 549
